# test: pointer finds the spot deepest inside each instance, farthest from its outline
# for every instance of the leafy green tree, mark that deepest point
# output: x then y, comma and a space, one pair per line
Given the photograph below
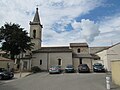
14, 39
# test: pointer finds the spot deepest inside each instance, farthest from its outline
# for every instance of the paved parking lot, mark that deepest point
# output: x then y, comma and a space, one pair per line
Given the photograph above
66, 81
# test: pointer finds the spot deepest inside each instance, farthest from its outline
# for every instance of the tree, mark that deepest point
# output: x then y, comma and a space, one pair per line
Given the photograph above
14, 39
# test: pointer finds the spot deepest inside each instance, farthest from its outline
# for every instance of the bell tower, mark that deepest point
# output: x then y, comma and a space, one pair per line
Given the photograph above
36, 31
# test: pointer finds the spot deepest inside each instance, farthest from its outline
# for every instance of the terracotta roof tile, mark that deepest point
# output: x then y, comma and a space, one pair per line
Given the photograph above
78, 45
53, 49
5, 59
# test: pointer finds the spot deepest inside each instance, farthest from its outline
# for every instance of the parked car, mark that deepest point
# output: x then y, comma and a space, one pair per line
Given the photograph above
98, 67
83, 68
5, 74
55, 69
69, 69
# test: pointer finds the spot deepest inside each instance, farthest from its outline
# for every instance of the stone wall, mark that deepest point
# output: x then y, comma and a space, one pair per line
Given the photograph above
50, 59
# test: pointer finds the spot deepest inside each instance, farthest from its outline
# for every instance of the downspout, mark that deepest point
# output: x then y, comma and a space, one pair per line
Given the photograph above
47, 61
91, 64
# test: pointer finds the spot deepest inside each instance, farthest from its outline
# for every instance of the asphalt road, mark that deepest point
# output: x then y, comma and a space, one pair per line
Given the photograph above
70, 81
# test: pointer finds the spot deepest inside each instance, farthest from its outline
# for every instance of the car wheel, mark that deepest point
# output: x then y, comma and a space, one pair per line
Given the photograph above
79, 71
0, 77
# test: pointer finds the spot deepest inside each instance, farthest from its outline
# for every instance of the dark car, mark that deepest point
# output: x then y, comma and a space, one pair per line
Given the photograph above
69, 69
98, 67
83, 68
55, 69
5, 74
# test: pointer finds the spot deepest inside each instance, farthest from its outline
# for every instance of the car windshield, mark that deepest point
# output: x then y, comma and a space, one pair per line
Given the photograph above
69, 66
84, 65
98, 65
55, 67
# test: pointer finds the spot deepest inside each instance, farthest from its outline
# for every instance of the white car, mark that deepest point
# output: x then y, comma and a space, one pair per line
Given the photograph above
54, 69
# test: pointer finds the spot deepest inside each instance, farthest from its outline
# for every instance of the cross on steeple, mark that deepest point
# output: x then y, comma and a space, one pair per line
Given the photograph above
36, 17
37, 5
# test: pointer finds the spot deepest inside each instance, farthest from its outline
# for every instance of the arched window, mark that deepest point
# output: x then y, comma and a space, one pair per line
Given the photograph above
40, 62
34, 33
80, 60
59, 61
78, 50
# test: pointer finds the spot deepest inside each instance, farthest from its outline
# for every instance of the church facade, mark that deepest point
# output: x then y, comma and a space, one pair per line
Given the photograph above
44, 57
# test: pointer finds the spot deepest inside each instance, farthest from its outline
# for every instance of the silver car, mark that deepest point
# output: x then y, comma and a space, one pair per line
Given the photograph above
54, 69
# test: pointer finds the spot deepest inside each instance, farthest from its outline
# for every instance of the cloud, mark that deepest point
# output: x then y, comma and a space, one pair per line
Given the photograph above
52, 13
109, 31
89, 30
111, 23
60, 13
80, 33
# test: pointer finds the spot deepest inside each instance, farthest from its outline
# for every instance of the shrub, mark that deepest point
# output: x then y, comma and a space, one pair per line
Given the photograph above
35, 69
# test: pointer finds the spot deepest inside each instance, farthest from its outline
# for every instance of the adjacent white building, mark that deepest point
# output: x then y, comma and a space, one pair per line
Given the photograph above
6, 63
109, 54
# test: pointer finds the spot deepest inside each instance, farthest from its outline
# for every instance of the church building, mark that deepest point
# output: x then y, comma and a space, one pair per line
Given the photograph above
44, 57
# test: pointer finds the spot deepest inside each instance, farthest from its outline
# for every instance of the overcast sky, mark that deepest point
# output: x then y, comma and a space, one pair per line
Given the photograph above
96, 22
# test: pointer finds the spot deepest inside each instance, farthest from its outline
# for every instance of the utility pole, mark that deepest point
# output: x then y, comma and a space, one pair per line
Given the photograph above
21, 64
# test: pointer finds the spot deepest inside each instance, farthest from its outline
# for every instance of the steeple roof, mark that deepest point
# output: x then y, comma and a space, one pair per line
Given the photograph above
36, 17
36, 20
